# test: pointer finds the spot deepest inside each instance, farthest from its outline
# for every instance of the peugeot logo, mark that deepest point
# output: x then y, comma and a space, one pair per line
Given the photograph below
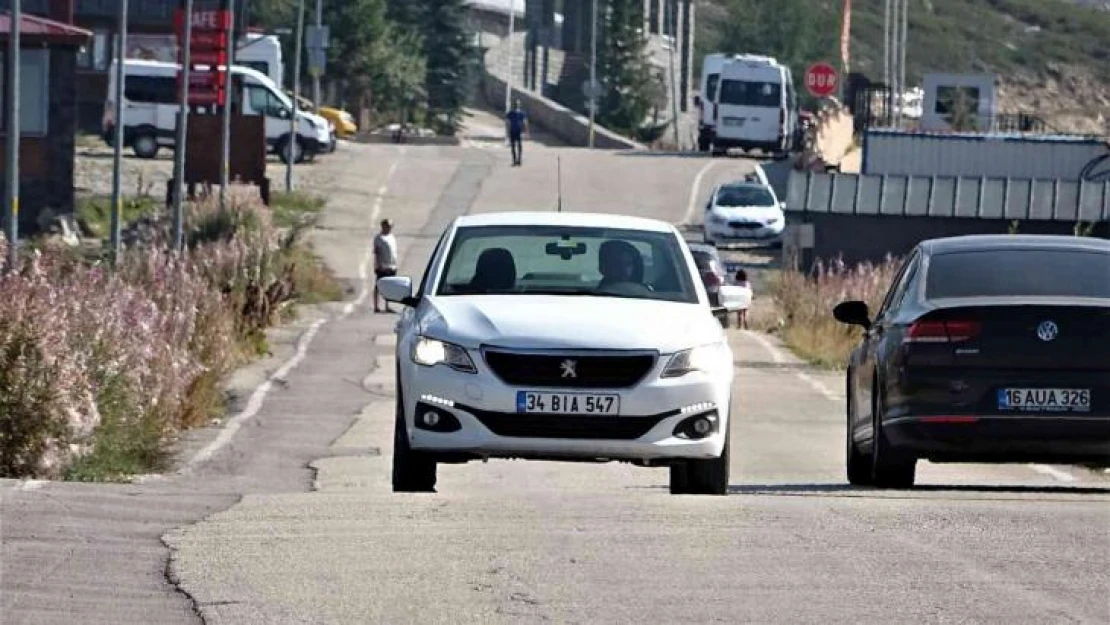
1047, 330
568, 367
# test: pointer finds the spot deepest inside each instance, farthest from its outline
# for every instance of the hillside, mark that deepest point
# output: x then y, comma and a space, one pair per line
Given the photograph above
1052, 56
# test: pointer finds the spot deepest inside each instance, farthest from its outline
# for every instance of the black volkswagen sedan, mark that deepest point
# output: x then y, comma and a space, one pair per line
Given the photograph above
992, 349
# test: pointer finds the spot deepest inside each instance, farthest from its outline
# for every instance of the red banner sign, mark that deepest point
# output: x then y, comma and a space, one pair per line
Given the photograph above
209, 43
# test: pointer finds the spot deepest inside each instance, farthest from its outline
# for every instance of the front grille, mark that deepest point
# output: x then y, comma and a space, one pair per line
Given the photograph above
570, 370
566, 426
745, 225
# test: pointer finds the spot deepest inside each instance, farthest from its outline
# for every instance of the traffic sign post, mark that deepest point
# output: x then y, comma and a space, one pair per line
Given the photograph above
822, 80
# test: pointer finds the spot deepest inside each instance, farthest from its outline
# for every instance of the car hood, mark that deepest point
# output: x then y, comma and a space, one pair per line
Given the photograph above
579, 322
760, 213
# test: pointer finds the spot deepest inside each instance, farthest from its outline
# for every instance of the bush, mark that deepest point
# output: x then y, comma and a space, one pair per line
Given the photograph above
99, 369
804, 303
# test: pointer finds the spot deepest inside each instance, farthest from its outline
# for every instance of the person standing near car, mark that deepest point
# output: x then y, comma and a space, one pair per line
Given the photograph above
517, 124
742, 314
385, 258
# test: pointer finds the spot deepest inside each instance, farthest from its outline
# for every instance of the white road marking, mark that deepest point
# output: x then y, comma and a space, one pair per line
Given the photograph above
694, 192
778, 357
32, 484
1053, 472
254, 403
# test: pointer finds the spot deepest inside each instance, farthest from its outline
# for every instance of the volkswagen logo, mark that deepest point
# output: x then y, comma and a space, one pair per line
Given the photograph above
1047, 330
568, 366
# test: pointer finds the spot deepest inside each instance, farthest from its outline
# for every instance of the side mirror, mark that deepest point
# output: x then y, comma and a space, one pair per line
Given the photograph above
733, 297
397, 289
853, 313
782, 205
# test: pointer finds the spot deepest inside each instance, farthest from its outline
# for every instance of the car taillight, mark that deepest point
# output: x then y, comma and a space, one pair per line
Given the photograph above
942, 331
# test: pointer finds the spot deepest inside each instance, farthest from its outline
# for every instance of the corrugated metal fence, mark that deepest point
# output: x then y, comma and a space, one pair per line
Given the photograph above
946, 196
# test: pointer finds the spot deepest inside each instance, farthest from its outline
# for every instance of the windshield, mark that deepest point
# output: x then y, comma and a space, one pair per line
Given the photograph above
711, 87
745, 196
751, 93
567, 260
1036, 273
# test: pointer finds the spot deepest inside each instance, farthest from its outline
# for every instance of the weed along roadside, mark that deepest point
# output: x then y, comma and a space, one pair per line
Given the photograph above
101, 368
801, 312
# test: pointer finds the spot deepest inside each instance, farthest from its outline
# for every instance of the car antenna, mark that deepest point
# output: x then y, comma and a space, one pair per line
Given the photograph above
559, 182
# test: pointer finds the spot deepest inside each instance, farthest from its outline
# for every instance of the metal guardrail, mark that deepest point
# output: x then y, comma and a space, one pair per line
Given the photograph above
941, 196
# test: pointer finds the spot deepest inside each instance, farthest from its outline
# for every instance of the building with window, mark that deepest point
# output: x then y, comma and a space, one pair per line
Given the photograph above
48, 112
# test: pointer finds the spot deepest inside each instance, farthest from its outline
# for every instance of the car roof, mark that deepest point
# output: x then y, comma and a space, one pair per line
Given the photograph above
983, 242
703, 248
549, 218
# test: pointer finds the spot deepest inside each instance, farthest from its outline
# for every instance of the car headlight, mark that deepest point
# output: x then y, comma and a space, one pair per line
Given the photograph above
431, 352
772, 221
717, 219
707, 358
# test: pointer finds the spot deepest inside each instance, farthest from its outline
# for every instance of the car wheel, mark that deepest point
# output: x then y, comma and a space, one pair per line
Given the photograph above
283, 150
413, 471
703, 477
145, 146
858, 463
889, 468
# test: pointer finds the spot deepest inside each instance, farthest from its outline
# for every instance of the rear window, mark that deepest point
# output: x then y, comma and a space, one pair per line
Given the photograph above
703, 260
751, 93
1033, 273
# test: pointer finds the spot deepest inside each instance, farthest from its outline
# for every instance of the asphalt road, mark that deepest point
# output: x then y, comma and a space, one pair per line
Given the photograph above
287, 516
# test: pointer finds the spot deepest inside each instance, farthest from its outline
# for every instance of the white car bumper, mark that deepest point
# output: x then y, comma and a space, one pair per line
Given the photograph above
717, 231
488, 425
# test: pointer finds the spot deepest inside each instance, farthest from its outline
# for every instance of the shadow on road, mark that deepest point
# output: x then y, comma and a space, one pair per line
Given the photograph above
803, 489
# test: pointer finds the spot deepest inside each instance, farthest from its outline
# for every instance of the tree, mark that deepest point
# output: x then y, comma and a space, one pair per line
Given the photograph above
624, 71
378, 63
451, 56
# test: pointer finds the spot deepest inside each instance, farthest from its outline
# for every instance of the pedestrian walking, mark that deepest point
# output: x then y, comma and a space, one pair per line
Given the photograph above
517, 123
742, 314
385, 258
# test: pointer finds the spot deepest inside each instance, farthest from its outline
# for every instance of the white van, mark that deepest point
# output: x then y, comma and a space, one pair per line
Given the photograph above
755, 106
261, 53
710, 75
151, 104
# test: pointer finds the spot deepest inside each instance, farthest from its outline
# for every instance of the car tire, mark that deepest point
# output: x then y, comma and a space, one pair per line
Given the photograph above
283, 149
858, 464
413, 471
145, 145
703, 477
889, 467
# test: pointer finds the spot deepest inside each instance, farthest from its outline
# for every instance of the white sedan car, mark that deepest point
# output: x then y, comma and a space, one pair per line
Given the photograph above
744, 211
561, 336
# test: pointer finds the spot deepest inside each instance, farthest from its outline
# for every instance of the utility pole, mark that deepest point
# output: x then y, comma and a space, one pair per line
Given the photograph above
509, 58
229, 94
182, 132
593, 68
316, 74
887, 81
12, 184
296, 94
672, 20
902, 59
117, 143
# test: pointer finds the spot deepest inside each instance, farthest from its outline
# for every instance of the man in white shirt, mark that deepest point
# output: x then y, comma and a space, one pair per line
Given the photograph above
385, 258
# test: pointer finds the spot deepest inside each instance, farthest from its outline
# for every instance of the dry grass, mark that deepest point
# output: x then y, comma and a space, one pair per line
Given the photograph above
800, 307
